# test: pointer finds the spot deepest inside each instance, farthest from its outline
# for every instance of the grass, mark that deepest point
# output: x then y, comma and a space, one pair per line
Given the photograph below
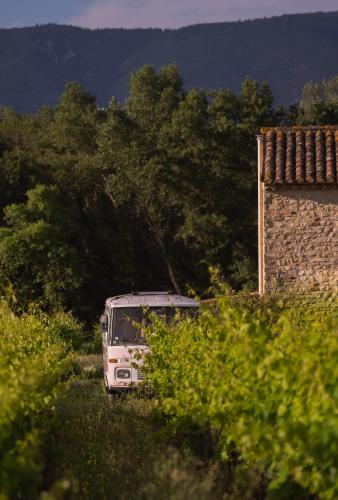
113, 449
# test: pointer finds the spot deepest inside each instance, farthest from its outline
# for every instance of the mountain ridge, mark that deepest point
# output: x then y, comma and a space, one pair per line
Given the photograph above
286, 51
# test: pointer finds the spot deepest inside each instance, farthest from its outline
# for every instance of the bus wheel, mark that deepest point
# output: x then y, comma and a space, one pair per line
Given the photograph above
111, 396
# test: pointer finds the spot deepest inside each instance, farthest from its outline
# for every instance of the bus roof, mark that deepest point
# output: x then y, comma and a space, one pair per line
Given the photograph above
151, 299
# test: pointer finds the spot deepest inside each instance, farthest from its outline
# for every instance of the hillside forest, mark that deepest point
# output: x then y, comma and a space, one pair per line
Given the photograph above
288, 51
150, 193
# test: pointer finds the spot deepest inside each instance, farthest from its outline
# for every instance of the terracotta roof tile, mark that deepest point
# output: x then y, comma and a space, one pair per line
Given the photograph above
330, 157
300, 155
290, 154
280, 158
310, 160
269, 157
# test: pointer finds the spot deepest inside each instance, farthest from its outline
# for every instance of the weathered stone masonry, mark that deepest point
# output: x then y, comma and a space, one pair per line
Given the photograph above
300, 239
298, 209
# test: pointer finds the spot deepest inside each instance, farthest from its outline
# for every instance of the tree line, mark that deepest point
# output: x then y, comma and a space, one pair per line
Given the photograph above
145, 194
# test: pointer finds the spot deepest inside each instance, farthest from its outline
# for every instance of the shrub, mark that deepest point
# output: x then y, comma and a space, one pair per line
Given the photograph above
65, 328
267, 389
34, 360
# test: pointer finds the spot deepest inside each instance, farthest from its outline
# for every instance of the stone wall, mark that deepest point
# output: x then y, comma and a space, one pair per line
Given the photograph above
300, 239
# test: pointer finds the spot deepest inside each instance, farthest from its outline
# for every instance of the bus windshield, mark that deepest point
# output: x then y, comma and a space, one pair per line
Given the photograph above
129, 322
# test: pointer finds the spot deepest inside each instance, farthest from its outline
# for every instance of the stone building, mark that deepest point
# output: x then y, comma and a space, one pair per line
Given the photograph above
298, 209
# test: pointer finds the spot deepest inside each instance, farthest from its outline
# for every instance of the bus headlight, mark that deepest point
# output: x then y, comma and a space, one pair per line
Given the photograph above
123, 373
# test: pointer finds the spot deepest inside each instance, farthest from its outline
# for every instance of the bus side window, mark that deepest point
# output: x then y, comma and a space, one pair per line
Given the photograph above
108, 313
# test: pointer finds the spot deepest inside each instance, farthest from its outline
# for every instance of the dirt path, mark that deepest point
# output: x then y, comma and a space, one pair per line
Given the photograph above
112, 449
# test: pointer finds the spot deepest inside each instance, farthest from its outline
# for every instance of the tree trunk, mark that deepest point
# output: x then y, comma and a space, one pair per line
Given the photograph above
165, 256
158, 238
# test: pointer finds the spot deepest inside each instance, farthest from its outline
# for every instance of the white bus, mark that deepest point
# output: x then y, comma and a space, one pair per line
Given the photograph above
123, 339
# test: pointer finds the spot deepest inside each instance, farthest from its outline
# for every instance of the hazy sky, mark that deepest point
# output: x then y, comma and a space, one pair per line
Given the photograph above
148, 13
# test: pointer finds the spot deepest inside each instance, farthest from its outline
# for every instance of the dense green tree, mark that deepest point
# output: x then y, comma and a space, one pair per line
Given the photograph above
319, 103
70, 142
20, 169
148, 193
255, 105
134, 166
56, 150
38, 249
184, 163
69, 157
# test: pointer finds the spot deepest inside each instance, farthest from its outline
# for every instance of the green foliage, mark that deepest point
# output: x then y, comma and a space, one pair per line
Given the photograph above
91, 199
267, 389
319, 103
38, 243
64, 328
146, 194
58, 230
35, 357
184, 164
256, 101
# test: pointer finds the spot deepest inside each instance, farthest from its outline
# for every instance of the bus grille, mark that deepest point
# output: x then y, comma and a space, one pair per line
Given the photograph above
137, 374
